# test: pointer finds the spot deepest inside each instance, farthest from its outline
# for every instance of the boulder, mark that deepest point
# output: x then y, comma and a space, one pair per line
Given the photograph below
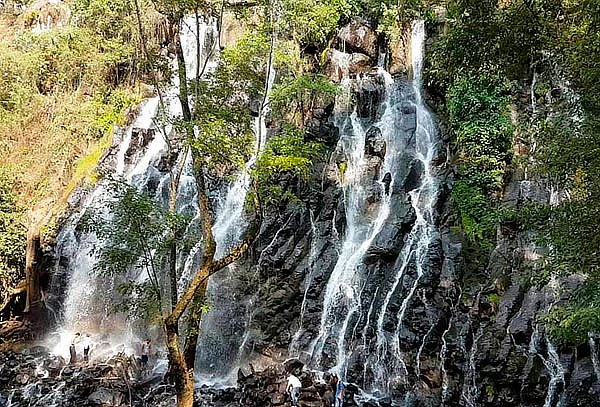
22, 378
399, 52
140, 138
359, 37
340, 64
293, 365
106, 397
277, 399
375, 143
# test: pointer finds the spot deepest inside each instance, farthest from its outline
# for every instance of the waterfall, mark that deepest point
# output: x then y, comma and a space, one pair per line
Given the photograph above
89, 297
224, 331
294, 347
594, 355
557, 377
355, 300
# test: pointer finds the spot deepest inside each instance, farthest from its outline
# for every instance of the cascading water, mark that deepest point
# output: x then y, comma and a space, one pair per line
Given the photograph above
294, 346
88, 298
224, 329
354, 301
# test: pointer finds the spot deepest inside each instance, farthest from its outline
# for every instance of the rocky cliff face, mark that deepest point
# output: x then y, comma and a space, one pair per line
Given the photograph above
461, 338
469, 339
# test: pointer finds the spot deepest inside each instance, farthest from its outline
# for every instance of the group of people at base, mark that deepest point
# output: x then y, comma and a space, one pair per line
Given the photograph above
337, 386
86, 342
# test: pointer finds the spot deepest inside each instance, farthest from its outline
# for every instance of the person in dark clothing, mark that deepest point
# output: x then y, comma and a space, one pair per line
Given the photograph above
72, 348
339, 391
87, 344
387, 180
145, 352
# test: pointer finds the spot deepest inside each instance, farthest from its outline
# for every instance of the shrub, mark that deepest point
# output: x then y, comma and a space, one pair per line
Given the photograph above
12, 236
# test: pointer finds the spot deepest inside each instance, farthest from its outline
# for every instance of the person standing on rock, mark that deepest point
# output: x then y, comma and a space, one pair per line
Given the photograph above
87, 343
339, 391
72, 349
293, 387
145, 352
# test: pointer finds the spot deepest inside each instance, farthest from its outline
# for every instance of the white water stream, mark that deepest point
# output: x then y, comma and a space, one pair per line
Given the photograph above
89, 297
224, 330
343, 304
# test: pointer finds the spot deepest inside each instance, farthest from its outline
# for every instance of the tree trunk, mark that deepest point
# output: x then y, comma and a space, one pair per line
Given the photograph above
175, 181
182, 362
183, 377
173, 272
182, 74
32, 272
34, 311
193, 326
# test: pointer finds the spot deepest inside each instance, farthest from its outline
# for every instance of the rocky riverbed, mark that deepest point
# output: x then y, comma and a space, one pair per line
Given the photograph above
35, 377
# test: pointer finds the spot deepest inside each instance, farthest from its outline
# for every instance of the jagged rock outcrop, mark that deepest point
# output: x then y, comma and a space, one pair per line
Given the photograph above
357, 36
268, 388
339, 63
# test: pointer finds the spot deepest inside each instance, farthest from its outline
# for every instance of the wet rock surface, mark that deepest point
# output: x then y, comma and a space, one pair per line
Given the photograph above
466, 338
34, 377
268, 388
469, 338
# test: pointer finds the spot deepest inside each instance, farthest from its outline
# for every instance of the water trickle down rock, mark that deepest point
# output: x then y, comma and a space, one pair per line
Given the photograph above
81, 297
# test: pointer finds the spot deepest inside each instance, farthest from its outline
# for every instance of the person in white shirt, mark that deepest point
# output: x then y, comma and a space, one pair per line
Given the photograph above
293, 387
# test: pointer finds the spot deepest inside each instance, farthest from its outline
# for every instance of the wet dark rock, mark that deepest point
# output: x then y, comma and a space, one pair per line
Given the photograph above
23, 375
293, 365
369, 94
387, 180
375, 143
106, 397
140, 138
388, 243
373, 165
319, 128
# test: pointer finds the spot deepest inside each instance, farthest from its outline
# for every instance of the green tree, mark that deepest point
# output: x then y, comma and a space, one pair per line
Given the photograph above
138, 237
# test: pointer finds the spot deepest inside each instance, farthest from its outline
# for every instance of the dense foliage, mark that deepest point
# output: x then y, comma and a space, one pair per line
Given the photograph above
285, 154
71, 84
554, 45
479, 118
12, 237
62, 90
